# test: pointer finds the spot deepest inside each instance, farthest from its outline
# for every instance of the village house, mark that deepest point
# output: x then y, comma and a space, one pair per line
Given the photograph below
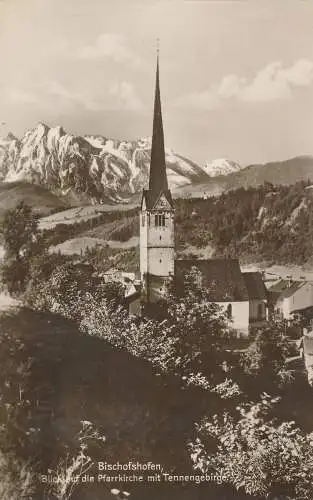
290, 299
241, 295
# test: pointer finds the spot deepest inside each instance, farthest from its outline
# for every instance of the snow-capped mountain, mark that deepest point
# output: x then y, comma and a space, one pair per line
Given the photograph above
92, 167
222, 166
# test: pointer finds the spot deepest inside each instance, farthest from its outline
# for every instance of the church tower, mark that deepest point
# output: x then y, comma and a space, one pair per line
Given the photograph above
157, 214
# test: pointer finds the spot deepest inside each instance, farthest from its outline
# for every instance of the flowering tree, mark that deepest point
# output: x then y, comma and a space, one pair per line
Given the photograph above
200, 327
264, 362
147, 338
189, 341
255, 454
61, 286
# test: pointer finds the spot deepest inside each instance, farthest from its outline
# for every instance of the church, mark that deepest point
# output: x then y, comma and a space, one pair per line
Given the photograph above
242, 295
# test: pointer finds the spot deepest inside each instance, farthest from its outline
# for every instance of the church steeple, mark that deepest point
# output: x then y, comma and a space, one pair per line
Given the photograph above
157, 238
158, 179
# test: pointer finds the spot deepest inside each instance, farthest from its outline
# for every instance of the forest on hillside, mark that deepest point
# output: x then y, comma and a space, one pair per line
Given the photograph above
267, 223
272, 224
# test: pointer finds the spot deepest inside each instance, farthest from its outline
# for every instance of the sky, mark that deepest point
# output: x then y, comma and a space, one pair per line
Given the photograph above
236, 76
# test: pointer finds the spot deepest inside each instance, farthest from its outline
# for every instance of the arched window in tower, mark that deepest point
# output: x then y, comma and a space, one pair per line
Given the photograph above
229, 311
163, 220
156, 220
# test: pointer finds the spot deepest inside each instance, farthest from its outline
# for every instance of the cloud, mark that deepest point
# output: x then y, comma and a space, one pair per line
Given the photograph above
112, 46
118, 95
115, 96
274, 82
125, 96
70, 97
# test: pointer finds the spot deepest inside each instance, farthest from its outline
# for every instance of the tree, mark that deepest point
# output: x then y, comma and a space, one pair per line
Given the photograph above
264, 362
57, 284
20, 231
255, 454
199, 326
21, 242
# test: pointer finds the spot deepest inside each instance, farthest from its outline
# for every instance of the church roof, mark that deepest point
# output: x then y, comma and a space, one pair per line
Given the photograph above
222, 277
151, 199
157, 177
255, 285
293, 288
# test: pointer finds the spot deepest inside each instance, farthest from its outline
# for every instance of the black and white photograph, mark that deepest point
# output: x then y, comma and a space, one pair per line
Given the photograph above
156, 250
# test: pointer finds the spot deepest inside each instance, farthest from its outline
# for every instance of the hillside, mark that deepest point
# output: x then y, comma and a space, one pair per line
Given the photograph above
278, 173
272, 224
268, 223
42, 200
75, 378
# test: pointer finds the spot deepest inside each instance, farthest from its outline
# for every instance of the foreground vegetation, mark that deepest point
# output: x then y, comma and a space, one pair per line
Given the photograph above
171, 389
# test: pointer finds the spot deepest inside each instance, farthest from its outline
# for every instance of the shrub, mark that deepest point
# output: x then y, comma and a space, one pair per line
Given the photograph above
256, 455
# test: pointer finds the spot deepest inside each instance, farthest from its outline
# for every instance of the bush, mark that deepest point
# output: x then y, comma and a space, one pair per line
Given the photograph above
264, 362
16, 479
256, 455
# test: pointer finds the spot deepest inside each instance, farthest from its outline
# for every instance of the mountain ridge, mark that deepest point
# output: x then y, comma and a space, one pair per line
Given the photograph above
93, 167
96, 169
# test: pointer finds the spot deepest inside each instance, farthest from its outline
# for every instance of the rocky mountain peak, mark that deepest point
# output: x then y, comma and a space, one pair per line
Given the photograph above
92, 166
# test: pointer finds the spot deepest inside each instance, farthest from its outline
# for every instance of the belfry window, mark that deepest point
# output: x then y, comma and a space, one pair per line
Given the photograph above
159, 220
143, 220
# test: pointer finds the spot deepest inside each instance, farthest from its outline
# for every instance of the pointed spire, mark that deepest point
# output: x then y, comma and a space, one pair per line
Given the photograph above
158, 179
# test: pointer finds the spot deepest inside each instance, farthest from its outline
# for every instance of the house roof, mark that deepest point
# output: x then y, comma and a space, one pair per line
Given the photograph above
222, 277
293, 288
132, 293
255, 285
279, 287
134, 296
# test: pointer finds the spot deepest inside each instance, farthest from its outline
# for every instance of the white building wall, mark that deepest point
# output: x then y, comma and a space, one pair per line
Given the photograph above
302, 298
240, 315
161, 261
